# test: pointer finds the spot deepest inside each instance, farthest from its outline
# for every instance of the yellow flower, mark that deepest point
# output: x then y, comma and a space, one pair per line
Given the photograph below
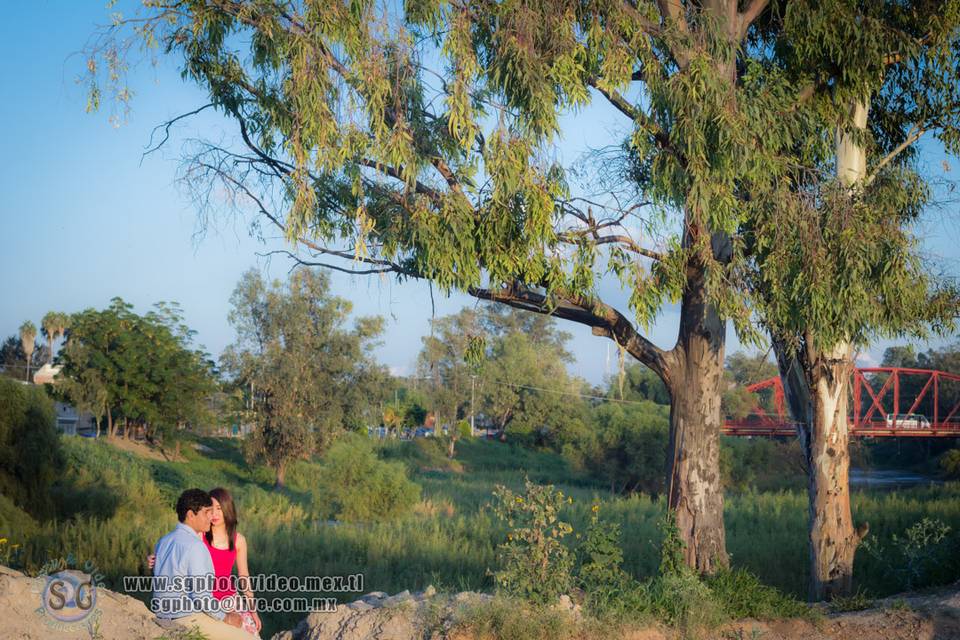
595, 508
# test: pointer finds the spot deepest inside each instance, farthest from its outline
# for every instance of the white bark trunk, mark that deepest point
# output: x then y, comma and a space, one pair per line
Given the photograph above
825, 440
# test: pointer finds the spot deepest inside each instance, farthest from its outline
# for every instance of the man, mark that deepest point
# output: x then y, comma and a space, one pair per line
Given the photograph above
181, 554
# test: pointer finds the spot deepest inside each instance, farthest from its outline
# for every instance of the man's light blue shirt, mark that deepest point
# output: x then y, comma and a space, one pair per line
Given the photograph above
182, 553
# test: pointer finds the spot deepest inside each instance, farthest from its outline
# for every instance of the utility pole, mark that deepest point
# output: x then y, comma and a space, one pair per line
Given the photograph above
473, 380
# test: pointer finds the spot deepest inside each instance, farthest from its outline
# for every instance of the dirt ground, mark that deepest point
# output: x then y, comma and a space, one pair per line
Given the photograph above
928, 615
140, 449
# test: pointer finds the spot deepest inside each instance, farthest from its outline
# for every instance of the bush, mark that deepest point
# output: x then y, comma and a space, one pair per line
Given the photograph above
356, 486
911, 557
30, 455
742, 595
760, 463
513, 619
15, 524
534, 562
611, 593
950, 463
626, 449
420, 454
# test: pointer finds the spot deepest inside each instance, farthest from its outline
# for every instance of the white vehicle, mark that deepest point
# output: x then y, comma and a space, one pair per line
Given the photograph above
908, 421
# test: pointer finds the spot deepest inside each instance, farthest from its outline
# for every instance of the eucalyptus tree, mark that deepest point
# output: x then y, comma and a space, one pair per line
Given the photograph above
836, 261
509, 364
309, 376
416, 143
28, 336
443, 360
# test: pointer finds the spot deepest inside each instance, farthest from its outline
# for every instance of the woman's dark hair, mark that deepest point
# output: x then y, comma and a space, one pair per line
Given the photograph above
229, 515
192, 500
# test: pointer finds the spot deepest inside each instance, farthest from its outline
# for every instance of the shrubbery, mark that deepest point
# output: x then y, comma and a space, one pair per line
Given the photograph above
913, 556
950, 463
537, 566
354, 485
30, 455
534, 562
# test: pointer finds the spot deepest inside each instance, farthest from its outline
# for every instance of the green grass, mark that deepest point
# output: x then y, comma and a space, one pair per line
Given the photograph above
115, 505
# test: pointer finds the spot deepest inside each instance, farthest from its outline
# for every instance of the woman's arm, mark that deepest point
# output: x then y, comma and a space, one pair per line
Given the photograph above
243, 574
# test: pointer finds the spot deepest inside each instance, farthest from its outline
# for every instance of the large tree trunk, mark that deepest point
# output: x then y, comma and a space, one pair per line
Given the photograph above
281, 476
825, 440
695, 491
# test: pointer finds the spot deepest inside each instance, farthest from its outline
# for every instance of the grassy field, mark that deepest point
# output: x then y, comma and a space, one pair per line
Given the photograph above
113, 505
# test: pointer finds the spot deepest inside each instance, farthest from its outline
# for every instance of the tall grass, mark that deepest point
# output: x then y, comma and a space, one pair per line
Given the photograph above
113, 506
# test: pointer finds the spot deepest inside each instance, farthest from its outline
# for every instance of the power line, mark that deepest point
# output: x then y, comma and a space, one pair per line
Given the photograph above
570, 393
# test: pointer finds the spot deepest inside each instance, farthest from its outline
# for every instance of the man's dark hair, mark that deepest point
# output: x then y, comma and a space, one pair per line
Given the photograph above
192, 500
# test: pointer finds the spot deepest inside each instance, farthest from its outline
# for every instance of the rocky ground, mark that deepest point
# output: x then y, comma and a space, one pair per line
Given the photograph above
931, 615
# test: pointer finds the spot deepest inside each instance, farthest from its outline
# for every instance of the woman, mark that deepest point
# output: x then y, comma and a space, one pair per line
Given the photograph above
228, 547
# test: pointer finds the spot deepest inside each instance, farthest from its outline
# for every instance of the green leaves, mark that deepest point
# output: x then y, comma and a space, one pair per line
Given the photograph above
139, 368
307, 378
534, 562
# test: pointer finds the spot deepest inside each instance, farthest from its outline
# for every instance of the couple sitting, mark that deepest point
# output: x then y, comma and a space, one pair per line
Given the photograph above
205, 544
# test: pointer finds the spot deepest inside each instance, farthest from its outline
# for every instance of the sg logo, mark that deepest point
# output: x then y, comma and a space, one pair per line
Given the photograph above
69, 596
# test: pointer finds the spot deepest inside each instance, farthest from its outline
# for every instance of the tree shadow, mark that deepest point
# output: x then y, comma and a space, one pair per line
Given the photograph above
96, 500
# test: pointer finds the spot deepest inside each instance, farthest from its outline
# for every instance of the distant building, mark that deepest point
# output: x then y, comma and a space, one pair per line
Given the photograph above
69, 421
46, 374
72, 423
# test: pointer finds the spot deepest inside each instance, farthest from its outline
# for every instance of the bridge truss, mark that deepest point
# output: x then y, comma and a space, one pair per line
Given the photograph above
884, 402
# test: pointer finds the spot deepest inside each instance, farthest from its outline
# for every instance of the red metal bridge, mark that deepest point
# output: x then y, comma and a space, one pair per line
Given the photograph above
885, 401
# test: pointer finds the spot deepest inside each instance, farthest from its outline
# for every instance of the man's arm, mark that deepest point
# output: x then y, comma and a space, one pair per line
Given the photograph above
200, 565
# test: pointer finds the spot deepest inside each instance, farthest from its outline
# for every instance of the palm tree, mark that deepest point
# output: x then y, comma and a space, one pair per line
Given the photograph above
48, 328
63, 323
28, 334
53, 326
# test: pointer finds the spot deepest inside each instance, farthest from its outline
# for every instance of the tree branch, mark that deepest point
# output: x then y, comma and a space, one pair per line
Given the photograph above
604, 320
749, 14
308, 263
166, 130
636, 115
673, 14
912, 136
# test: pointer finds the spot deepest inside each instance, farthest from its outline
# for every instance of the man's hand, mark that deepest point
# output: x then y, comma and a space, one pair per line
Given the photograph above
151, 560
233, 619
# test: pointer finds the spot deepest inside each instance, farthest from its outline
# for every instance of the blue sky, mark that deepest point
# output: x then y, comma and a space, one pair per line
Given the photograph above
85, 219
